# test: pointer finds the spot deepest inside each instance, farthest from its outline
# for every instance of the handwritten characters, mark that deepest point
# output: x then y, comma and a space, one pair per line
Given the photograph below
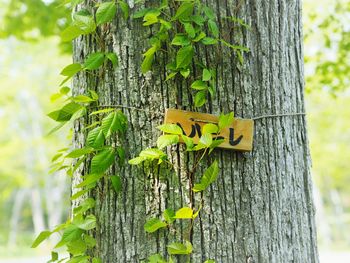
196, 129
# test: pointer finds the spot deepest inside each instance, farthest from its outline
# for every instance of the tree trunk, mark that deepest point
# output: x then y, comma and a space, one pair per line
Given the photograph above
260, 209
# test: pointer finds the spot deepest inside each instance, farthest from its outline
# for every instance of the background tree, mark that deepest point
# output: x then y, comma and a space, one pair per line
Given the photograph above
260, 209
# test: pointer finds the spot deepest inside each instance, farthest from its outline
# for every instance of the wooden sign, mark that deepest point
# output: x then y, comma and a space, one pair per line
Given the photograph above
237, 137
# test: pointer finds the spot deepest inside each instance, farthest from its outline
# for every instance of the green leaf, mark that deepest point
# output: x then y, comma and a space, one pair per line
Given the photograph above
89, 180
94, 61
209, 13
85, 21
89, 241
206, 76
170, 76
65, 113
84, 206
116, 183
137, 160
77, 248
209, 177
225, 120
88, 223
65, 90
102, 161
206, 139
78, 259
95, 138
184, 11
170, 128
199, 85
112, 57
96, 260
190, 30
151, 17
213, 28
184, 57
209, 41
79, 152
79, 194
105, 12
188, 141
165, 140
70, 33
200, 98
184, 213
71, 233
210, 128
156, 258
115, 121
209, 261
180, 249
71, 70
148, 59
82, 99
152, 154
199, 37
185, 72
40, 238
153, 225
168, 215
180, 40
125, 9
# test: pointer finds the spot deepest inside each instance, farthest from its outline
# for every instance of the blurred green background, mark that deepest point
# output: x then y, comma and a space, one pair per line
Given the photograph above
31, 56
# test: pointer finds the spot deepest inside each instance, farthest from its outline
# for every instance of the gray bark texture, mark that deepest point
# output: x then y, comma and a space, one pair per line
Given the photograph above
260, 209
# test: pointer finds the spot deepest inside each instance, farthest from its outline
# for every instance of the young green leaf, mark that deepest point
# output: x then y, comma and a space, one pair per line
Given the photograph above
112, 57
156, 258
200, 98
151, 18
206, 139
168, 215
188, 141
184, 11
125, 8
165, 140
116, 183
199, 85
209, 261
90, 180
71, 70
209, 12
71, 233
180, 249
82, 99
180, 40
95, 138
184, 57
210, 128
209, 177
94, 61
209, 41
225, 120
102, 161
85, 21
185, 72
213, 28
40, 238
88, 223
65, 113
190, 30
153, 225
79, 152
105, 12
206, 76
152, 154
70, 33
184, 213
170, 128
137, 160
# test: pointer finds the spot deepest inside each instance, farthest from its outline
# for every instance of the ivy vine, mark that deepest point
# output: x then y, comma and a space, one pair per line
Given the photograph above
192, 25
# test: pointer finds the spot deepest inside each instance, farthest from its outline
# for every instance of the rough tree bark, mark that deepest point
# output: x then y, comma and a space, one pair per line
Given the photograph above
260, 209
